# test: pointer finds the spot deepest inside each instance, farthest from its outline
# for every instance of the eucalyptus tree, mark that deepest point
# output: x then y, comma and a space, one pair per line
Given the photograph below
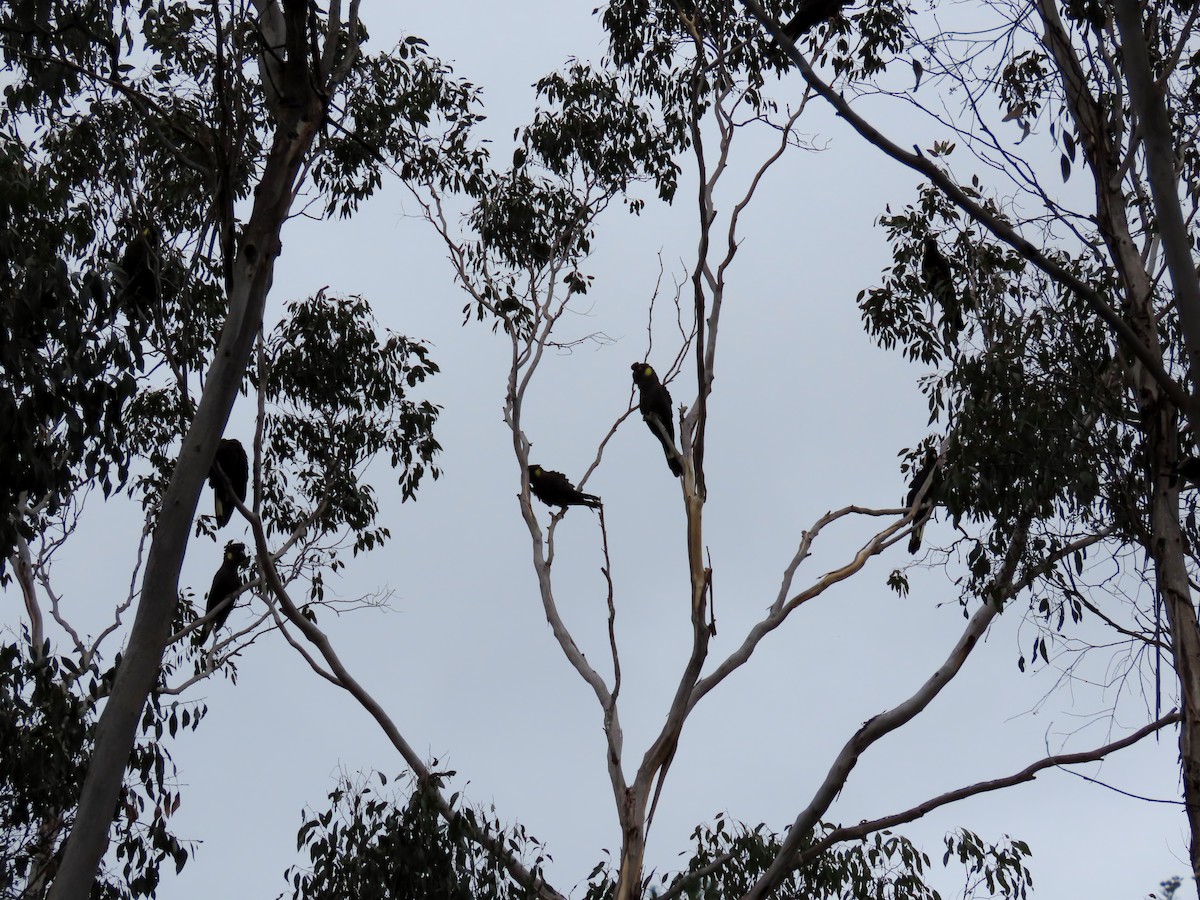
1075, 329
152, 155
204, 123
682, 85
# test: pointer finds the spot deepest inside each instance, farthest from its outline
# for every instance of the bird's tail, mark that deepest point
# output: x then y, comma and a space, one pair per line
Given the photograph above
669, 451
591, 501
200, 635
914, 539
668, 444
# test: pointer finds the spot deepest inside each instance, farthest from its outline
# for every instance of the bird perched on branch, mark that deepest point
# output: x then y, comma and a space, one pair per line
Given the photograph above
139, 274
811, 14
927, 479
230, 461
225, 584
553, 489
939, 281
655, 403
1189, 468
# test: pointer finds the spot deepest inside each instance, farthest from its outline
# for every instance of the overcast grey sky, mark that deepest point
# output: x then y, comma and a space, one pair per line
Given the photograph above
807, 416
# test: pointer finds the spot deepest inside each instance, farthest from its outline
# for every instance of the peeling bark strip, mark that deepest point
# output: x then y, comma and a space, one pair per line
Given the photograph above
299, 108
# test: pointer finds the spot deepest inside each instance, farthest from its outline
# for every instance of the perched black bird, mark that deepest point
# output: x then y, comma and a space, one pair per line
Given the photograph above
553, 489
231, 458
224, 584
811, 14
1189, 468
655, 403
927, 473
139, 275
939, 281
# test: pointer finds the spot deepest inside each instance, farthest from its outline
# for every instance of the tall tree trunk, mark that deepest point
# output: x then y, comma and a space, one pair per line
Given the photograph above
1158, 146
633, 846
1171, 578
1103, 141
300, 112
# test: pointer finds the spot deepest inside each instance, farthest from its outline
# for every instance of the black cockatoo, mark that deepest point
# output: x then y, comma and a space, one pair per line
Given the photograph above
939, 281
231, 458
811, 14
1189, 468
553, 489
655, 403
139, 275
225, 583
927, 473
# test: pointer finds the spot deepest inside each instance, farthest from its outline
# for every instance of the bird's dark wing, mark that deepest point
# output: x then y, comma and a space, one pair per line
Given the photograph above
1189, 468
939, 281
227, 580
139, 277
811, 14
927, 474
918, 534
919, 480
655, 401
554, 489
231, 458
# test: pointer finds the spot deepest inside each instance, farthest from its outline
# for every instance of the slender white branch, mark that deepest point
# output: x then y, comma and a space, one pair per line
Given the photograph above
425, 781
782, 607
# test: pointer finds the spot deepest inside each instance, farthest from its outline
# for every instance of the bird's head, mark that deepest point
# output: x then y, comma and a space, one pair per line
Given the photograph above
643, 372
534, 471
235, 552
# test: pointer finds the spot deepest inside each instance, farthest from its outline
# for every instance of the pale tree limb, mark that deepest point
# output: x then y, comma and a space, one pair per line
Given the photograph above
782, 607
870, 826
1029, 773
22, 563
343, 679
884, 723
708, 288
94, 650
551, 297
1158, 143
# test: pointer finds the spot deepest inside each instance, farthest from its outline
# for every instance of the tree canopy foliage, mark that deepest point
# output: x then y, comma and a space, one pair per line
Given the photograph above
151, 156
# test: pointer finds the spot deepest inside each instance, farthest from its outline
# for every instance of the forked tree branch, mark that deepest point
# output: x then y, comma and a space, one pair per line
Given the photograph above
1029, 773
782, 607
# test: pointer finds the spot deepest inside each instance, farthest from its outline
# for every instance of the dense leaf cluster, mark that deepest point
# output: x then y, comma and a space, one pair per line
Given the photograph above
373, 845
1028, 391
47, 725
881, 865
338, 395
